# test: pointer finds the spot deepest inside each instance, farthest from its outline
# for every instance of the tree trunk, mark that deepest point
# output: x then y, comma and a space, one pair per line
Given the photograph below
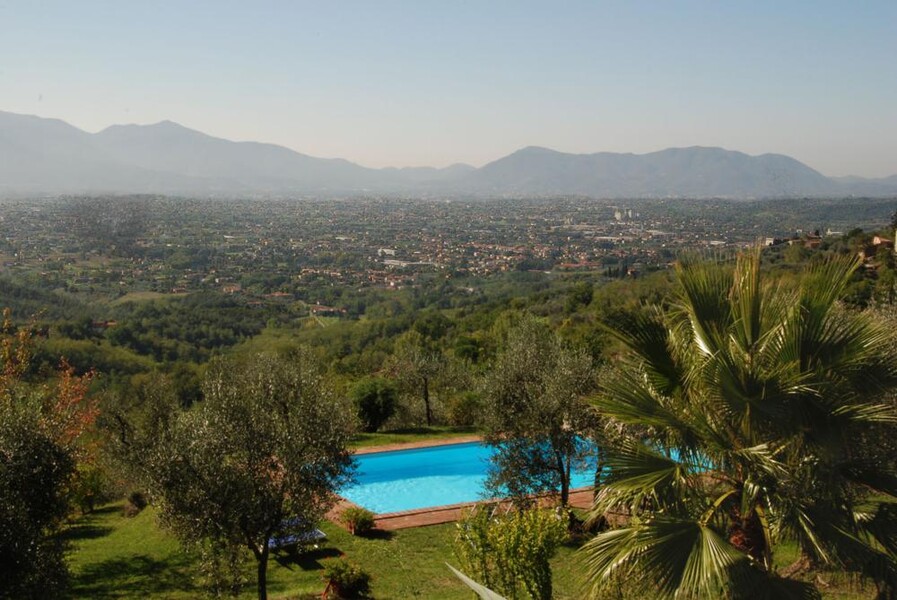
599, 471
564, 471
426, 392
262, 577
746, 534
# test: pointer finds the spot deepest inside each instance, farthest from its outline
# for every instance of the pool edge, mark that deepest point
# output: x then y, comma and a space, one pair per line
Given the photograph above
448, 513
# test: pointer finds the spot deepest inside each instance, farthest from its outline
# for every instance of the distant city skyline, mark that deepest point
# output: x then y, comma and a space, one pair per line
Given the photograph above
435, 83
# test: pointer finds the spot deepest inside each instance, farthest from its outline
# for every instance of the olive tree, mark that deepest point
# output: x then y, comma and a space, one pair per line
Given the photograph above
416, 364
34, 472
536, 416
267, 444
375, 400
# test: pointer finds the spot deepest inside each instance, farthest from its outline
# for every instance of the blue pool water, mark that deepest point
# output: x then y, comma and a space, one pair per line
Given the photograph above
408, 479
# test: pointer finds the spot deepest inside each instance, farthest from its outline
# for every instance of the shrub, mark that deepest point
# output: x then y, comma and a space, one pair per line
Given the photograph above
510, 552
357, 520
375, 399
138, 499
136, 502
88, 487
346, 580
464, 409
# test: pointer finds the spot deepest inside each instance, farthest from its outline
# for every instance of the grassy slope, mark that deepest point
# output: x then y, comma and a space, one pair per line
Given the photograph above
116, 557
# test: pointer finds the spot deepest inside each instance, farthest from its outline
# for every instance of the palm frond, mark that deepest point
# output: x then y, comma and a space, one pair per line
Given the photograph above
760, 459
880, 525
807, 530
871, 475
783, 392
665, 558
825, 281
704, 292
647, 336
746, 300
850, 345
629, 398
862, 550
867, 414
636, 473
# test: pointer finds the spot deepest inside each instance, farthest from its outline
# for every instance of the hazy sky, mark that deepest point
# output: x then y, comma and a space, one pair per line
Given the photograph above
435, 82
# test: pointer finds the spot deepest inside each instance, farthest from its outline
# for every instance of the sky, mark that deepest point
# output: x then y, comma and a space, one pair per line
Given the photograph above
423, 82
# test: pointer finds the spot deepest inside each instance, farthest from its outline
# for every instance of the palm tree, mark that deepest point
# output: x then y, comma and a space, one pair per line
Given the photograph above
748, 413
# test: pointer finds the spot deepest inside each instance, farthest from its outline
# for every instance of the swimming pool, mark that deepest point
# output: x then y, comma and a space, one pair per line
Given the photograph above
423, 477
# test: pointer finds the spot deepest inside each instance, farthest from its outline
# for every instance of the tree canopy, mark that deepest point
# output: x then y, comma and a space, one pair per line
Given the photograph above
266, 446
41, 429
536, 415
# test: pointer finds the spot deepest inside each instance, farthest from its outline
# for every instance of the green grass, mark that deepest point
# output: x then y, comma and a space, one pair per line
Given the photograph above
112, 556
417, 434
116, 557
141, 297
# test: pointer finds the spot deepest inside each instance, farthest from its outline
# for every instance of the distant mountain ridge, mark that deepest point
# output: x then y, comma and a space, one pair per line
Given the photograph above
696, 171
39, 155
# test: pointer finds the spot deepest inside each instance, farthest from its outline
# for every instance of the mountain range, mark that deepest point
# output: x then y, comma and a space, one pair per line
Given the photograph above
49, 156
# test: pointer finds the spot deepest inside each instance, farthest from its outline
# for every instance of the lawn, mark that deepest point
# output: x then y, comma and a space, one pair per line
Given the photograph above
417, 434
112, 556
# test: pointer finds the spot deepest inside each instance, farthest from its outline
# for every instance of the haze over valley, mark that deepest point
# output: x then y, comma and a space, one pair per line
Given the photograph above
49, 156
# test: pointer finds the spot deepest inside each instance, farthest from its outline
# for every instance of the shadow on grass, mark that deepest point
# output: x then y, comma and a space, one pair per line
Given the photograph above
308, 560
378, 534
575, 541
106, 510
140, 576
85, 527
84, 531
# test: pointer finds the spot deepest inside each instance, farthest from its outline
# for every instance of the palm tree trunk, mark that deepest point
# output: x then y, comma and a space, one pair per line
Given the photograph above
746, 534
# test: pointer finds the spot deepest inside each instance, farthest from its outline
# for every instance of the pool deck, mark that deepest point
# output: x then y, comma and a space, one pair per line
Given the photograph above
435, 515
